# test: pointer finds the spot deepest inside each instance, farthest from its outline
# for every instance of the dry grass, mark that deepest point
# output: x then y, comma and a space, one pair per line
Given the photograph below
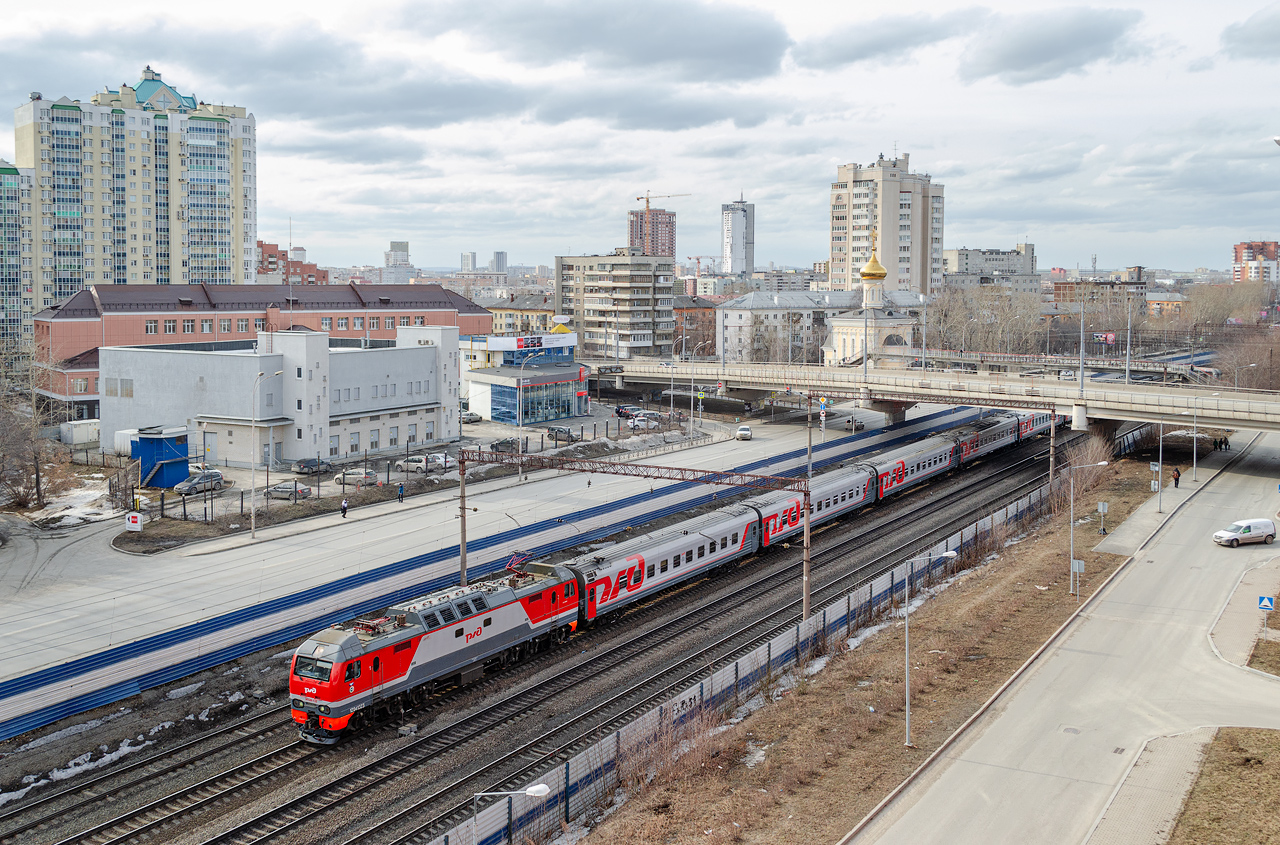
842, 732
1236, 798
1266, 657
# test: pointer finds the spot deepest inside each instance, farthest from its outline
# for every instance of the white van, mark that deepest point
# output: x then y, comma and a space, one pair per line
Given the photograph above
1246, 531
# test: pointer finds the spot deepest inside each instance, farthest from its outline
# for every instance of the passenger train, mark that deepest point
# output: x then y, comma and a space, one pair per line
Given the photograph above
345, 672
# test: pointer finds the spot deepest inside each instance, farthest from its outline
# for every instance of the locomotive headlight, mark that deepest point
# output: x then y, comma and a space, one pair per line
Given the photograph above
299, 704
324, 708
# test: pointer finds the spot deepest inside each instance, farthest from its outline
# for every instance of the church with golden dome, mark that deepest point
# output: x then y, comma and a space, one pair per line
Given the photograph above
885, 319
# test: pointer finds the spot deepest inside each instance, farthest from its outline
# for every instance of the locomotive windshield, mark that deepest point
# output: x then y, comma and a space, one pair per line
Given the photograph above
309, 667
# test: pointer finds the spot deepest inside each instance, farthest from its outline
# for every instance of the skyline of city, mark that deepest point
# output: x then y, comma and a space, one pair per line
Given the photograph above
1126, 133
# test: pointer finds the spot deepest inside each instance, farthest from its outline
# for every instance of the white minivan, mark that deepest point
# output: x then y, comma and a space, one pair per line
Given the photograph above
1246, 531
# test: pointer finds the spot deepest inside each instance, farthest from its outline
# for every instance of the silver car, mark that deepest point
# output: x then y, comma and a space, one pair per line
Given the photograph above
199, 482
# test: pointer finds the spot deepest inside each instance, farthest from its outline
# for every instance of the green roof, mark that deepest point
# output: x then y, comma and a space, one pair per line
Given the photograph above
64, 106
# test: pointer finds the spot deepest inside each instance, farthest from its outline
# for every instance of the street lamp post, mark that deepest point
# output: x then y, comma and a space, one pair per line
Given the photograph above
538, 790
253, 453
520, 411
691, 390
1071, 474
1082, 344
906, 630
1238, 369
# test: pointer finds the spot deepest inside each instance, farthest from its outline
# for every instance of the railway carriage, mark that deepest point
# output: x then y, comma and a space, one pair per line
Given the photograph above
900, 468
831, 495
987, 435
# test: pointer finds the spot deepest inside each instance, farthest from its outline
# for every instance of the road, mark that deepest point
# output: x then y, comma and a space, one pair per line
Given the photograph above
1041, 766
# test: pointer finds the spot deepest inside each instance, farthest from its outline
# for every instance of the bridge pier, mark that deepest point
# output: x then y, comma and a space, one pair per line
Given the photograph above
1104, 429
894, 412
618, 384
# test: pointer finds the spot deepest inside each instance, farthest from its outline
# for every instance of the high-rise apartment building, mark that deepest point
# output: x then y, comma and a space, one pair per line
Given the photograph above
903, 210
15, 206
498, 264
621, 304
653, 232
397, 255
141, 185
468, 262
738, 227
1019, 261
1255, 261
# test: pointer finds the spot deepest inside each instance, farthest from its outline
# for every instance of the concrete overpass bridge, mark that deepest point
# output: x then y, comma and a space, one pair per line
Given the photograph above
1098, 405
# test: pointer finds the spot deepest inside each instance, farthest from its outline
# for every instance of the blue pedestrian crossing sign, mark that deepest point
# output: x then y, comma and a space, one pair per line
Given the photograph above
1266, 603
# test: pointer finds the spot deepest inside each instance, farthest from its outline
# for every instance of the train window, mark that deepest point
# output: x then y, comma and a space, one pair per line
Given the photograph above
569, 590
464, 608
554, 597
457, 632
431, 620
702, 551
663, 566
402, 646
591, 594
735, 538
724, 542
316, 670
712, 546
650, 571
447, 614
377, 663
480, 603
488, 620
637, 575
353, 670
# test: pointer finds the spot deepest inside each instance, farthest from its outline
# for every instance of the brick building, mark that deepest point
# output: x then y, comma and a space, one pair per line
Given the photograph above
1255, 261
280, 266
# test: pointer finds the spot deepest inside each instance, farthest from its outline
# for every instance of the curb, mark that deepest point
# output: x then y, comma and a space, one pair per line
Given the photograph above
959, 732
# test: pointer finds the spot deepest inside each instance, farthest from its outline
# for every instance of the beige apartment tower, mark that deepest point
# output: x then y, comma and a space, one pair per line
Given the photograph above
904, 212
141, 185
621, 304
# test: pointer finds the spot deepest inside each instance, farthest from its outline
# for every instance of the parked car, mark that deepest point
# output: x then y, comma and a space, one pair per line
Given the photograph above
1246, 531
558, 433
356, 476
311, 466
626, 412
288, 490
642, 423
416, 463
744, 433
199, 482
1066, 375
196, 466
441, 461
506, 444
854, 424
471, 417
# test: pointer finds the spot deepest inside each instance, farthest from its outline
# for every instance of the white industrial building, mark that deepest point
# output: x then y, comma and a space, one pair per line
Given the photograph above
313, 399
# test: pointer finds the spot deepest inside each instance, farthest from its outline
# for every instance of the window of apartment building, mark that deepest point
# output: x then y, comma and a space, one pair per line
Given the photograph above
374, 438
393, 435
375, 323
170, 326
326, 323
153, 327
271, 401
259, 323
113, 387
95, 384
355, 442
242, 325
126, 388
298, 403
80, 385
419, 321
188, 326
206, 327
413, 434
357, 395
334, 445
359, 322
404, 321
299, 435
224, 326
342, 323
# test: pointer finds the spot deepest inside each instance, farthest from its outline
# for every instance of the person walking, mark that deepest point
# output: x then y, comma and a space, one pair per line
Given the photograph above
1176, 476
1215, 444
400, 493
1226, 444
344, 508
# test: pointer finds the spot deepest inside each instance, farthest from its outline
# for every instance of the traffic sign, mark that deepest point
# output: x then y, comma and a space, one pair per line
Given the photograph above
1076, 566
133, 521
822, 414
701, 395
1266, 603
719, 385
1155, 467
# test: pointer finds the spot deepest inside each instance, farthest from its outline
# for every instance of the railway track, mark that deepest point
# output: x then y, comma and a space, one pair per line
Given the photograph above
568, 735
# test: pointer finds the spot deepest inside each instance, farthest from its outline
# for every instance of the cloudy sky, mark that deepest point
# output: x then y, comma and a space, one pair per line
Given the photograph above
1140, 131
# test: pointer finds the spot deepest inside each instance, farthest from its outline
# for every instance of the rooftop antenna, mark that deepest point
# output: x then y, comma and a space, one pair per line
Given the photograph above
289, 276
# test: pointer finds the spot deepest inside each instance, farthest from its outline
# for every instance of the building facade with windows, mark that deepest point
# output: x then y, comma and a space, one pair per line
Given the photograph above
738, 237
653, 232
534, 375
620, 304
1019, 261
15, 291
522, 314
140, 185
779, 327
903, 211
209, 316
1255, 261
280, 266
328, 402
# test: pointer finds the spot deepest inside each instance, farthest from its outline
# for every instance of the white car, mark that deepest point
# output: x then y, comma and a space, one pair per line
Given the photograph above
744, 433
1246, 531
441, 461
417, 463
639, 423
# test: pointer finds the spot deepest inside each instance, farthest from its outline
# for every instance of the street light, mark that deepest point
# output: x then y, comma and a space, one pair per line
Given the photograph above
1195, 434
1071, 474
520, 410
683, 339
1081, 344
538, 790
691, 390
253, 453
1238, 369
906, 623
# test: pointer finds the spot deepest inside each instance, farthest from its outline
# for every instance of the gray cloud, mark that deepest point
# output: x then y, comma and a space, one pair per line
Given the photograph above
1254, 38
884, 38
1046, 45
349, 148
632, 107
681, 40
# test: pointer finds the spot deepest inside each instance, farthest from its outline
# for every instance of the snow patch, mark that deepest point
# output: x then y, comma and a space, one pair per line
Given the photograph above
90, 502
74, 730
183, 692
74, 767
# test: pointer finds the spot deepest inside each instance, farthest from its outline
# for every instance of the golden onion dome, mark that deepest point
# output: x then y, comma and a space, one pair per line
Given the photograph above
873, 269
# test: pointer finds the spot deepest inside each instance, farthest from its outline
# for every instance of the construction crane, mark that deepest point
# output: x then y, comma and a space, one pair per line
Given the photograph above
697, 272
647, 228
